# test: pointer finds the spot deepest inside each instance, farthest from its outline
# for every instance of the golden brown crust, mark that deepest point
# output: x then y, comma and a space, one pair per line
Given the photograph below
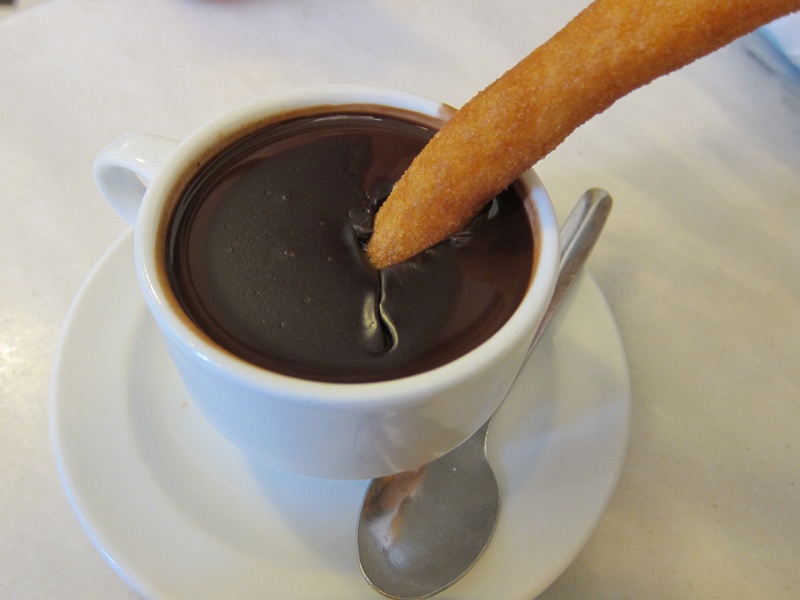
608, 50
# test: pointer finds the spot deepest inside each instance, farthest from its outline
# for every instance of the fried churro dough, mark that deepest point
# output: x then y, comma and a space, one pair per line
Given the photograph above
607, 51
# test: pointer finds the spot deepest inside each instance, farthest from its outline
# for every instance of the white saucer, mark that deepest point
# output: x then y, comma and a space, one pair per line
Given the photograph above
180, 513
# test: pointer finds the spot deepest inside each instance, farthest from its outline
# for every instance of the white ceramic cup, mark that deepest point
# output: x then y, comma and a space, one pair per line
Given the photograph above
331, 430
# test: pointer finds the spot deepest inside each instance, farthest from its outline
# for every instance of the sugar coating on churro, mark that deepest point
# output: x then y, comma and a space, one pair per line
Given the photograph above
608, 50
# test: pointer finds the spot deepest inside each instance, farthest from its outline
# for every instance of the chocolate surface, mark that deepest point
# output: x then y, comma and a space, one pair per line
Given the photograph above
266, 255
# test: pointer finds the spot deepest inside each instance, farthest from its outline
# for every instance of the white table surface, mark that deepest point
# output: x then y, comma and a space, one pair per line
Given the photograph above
700, 261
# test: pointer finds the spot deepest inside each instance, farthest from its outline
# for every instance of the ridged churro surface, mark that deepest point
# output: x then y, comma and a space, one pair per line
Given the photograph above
608, 50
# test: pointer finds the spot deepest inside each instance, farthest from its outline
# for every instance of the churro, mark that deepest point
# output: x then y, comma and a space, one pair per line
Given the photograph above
610, 49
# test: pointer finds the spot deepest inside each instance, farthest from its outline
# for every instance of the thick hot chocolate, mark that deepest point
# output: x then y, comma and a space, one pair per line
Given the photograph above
266, 256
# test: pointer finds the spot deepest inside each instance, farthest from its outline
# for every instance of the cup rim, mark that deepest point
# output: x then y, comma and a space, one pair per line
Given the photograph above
344, 396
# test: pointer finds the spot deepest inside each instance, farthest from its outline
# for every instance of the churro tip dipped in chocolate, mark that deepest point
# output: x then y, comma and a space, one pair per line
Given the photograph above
610, 49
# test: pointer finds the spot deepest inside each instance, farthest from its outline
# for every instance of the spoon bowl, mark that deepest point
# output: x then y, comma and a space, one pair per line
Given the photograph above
420, 531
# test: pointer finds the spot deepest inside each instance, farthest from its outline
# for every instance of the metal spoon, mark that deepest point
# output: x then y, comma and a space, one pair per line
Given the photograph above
420, 531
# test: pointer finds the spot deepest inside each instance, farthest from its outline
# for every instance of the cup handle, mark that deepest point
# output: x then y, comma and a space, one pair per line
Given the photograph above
125, 168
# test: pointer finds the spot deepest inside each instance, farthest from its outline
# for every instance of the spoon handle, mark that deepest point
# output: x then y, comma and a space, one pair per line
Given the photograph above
579, 234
